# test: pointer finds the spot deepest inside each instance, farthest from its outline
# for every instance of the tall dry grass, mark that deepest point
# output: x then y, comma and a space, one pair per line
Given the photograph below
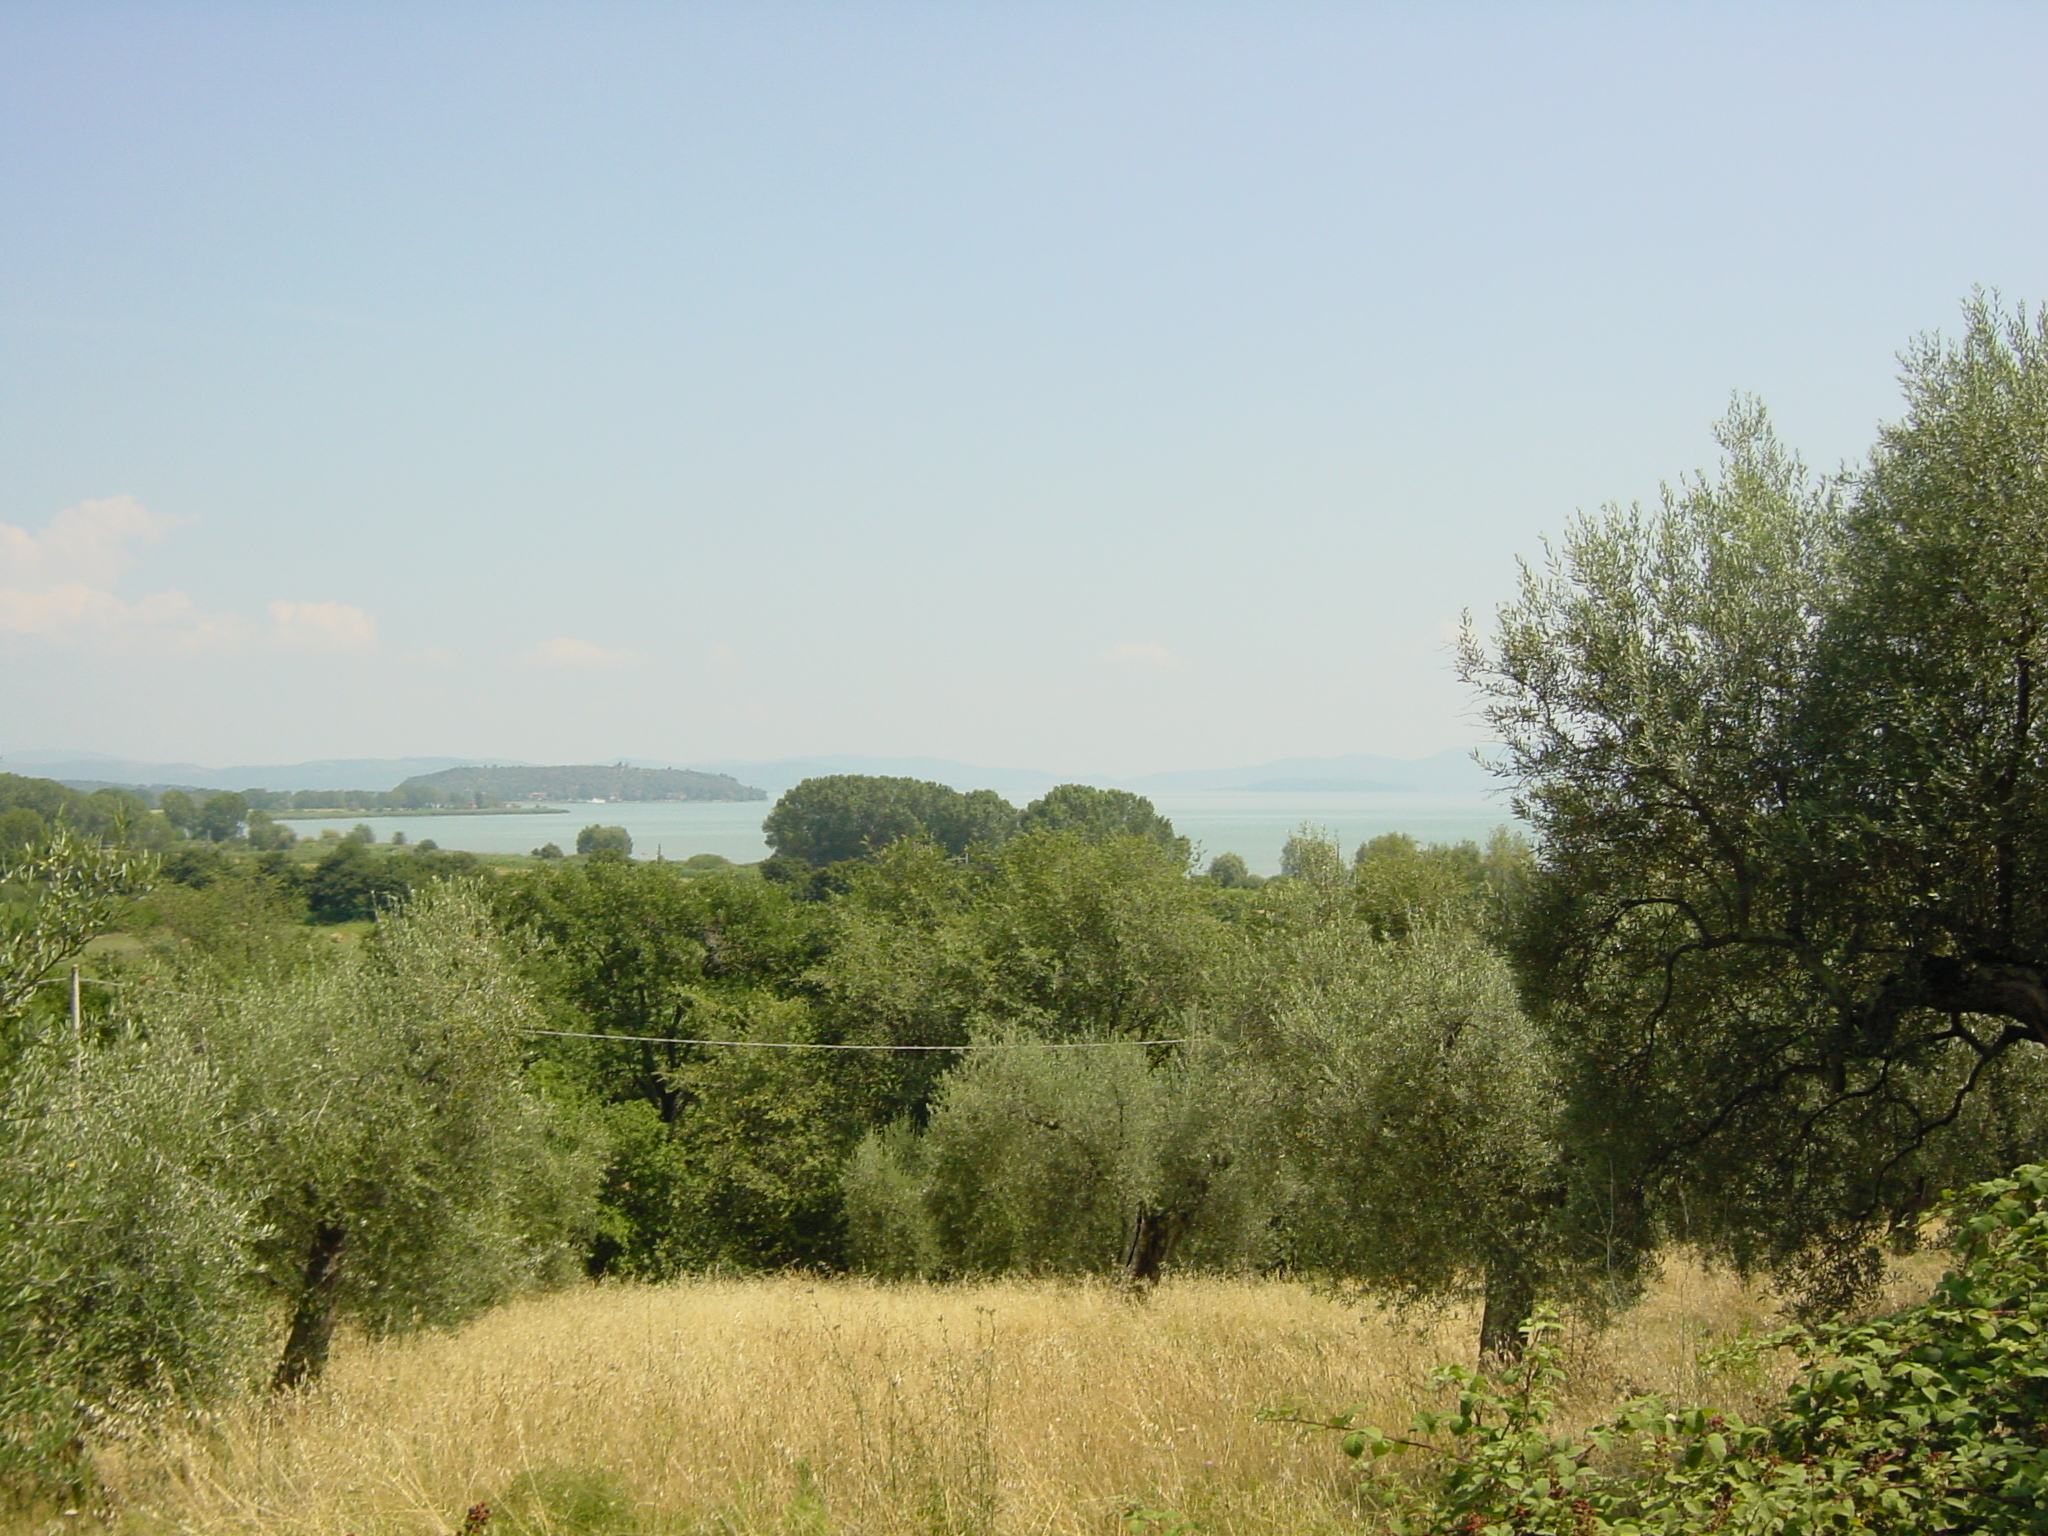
734, 1407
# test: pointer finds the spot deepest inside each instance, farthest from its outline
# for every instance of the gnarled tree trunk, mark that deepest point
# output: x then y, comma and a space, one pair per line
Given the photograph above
305, 1348
1156, 1231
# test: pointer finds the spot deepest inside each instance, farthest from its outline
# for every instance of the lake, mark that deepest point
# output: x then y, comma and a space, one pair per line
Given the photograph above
1253, 823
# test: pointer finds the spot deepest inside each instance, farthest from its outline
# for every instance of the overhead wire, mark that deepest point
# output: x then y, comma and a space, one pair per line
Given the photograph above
806, 1045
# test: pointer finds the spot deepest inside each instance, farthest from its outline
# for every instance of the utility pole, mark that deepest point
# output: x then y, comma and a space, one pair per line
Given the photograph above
77, 1036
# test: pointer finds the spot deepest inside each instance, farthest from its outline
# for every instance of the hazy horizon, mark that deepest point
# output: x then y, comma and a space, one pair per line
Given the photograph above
1449, 769
1117, 389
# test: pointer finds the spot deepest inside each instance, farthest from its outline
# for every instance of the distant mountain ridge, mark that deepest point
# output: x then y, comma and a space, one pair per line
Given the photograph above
779, 774
1443, 773
1450, 772
592, 781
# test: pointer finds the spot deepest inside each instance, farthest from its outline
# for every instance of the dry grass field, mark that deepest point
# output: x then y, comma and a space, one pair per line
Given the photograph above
806, 1407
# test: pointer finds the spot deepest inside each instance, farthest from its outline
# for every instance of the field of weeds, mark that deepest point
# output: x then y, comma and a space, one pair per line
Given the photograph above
799, 1406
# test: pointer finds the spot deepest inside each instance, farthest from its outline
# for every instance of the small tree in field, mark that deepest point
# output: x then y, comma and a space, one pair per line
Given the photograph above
1417, 1108
401, 1172
1044, 1159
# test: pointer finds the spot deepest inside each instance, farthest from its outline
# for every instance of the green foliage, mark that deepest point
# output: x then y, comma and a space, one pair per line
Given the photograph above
763, 1134
605, 840
705, 1152
52, 900
1100, 813
124, 1245
1416, 1105
179, 809
241, 921
220, 817
266, 835
1399, 883
1052, 935
846, 816
21, 828
1091, 937
1040, 1159
1311, 856
353, 884
497, 786
1922, 1422
1228, 870
30, 809
1366, 1107
117, 1240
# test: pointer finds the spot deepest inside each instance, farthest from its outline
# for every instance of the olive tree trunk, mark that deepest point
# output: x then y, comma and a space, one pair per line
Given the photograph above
1510, 1298
305, 1347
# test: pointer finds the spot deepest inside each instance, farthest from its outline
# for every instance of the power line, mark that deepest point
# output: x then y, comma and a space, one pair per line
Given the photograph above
803, 1045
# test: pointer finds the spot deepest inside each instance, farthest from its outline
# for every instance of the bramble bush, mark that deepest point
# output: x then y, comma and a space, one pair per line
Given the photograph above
1925, 1421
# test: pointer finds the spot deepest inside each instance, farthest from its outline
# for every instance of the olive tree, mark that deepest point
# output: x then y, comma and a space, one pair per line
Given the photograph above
1045, 1158
1416, 1107
1780, 740
123, 1235
400, 1170
54, 898
125, 1239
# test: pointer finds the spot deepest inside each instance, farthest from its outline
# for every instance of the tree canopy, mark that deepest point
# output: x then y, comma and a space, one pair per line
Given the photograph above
844, 816
1098, 813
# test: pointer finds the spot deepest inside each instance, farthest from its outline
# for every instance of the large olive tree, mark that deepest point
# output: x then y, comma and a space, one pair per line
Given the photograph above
1780, 738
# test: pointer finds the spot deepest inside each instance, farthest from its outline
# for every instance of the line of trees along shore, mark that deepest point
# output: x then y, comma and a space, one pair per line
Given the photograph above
1766, 982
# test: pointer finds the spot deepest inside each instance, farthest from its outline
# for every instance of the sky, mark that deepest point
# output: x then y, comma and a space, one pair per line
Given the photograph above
1103, 388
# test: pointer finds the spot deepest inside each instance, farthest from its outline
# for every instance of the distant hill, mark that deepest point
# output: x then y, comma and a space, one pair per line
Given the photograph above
326, 773
586, 782
1444, 773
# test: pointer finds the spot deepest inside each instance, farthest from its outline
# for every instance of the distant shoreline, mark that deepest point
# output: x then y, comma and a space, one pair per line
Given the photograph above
486, 810
446, 810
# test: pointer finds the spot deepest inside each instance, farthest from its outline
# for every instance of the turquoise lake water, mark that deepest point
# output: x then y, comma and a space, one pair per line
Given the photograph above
1252, 823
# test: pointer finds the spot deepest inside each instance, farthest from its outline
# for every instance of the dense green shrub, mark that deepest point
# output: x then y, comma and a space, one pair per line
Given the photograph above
1925, 1421
124, 1247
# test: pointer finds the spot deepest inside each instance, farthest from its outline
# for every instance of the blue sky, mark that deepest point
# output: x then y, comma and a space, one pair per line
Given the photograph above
1108, 388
